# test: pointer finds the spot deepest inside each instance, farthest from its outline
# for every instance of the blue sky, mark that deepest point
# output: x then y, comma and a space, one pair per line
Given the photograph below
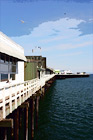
62, 28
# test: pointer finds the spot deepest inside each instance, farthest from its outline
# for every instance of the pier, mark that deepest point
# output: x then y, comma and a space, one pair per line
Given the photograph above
64, 76
21, 98
19, 102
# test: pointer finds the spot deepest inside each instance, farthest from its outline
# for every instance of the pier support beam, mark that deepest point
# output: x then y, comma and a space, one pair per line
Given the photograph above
26, 119
37, 109
25, 106
4, 125
32, 103
16, 124
43, 90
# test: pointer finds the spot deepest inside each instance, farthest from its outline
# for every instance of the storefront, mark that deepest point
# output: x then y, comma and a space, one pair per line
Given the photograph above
11, 54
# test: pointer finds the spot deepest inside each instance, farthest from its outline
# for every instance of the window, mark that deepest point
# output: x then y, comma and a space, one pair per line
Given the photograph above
12, 76
10, 60
8, 66
7, 60
39, 64
2, 58
3, 68
12, 68
4, 77
14, 61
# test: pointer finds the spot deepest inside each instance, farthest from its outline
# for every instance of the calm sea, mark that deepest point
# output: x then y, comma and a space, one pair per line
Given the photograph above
66, 111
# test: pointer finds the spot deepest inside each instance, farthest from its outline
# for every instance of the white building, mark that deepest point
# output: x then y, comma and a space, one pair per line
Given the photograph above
57, 71
66, 72
11, 61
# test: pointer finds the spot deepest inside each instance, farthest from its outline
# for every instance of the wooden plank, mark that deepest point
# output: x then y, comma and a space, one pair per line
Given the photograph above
6, 123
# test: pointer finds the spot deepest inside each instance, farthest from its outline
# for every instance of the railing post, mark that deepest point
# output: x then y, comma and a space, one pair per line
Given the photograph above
16, 98
26, 90
20, 95
23, 93
4, 114
11, 99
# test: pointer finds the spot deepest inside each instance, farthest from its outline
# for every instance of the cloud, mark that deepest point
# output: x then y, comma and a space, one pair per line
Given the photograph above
72, 54
91, 19
73, 45
56, 35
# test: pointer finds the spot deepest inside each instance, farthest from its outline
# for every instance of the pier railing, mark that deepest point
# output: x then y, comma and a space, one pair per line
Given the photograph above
14, 95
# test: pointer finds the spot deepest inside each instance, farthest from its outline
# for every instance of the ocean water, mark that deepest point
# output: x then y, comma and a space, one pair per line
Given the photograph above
66, 111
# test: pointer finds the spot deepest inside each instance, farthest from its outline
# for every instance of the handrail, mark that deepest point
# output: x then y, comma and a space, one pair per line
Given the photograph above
18, 93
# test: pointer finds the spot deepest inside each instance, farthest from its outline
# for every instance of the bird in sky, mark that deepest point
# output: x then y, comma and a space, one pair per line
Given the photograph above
32, 50
39, 47
22, 21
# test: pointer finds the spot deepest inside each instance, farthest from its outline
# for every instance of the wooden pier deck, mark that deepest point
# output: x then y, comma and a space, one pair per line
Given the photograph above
14, 95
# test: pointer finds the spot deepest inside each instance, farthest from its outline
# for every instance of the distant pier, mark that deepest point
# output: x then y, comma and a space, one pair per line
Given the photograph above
63, 76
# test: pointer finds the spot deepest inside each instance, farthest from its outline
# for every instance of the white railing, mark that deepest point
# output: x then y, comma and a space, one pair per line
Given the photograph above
14, 95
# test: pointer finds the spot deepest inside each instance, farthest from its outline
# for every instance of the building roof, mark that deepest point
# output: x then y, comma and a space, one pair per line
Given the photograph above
9, 47
51, 69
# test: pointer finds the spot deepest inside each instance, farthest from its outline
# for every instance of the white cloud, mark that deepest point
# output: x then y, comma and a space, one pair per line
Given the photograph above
50, 27
72, 54
73, 45
63, 33
58, 39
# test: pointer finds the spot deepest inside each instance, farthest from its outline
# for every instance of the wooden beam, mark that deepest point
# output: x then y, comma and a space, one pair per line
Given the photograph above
16, 124
5, 135
32, 103
6, 123
24, 105
26, 121
37, 109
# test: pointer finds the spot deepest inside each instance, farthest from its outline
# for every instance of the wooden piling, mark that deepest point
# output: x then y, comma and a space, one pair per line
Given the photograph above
20, 115
37, 109
25, 106
32, 103
4, 125
16, 124
26, 123
5, 134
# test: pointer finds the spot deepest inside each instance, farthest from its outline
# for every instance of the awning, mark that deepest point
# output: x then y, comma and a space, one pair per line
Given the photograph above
6, 48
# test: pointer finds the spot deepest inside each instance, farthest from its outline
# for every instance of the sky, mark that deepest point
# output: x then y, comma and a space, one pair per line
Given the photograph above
61, 30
